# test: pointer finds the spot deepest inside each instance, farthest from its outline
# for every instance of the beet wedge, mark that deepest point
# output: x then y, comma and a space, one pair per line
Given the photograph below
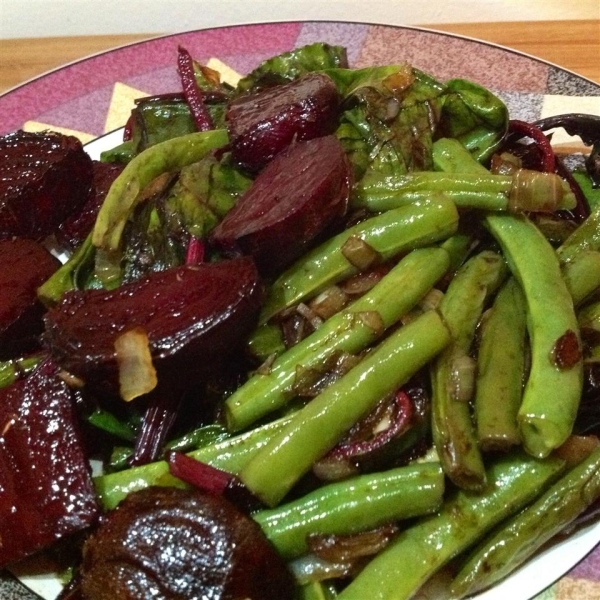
294, 199
186, 544
24, 266
44, 178
190, 315
264, 123
46, 491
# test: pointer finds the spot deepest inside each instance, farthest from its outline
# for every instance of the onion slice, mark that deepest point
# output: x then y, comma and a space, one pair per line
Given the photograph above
137, 375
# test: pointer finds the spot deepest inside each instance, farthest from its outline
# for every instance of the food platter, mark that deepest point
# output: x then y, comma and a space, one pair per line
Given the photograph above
89, 97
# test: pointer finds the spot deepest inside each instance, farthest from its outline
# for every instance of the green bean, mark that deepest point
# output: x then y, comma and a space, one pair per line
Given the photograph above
229, 455
517, 540
524, 191
11, 370
65, 277
316, 428
389, 234
452, 427
450, 156
350, 330
419, 551
458, 246
582, 275
316, 590
553, 389
501, 366
589, 320
266, 341
354, 505
124, 194
585, 237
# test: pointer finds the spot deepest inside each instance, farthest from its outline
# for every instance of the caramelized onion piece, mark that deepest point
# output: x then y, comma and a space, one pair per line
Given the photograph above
137, 375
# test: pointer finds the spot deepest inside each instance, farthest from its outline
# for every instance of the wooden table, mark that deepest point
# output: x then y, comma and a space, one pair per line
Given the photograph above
574, 45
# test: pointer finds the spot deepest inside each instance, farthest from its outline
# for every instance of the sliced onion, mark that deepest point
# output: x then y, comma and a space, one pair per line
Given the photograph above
137, 375
363, 282
358, 253
577, 448
70, 379
505, 163
310, 568
431, 300
347, 548
314, 320
329, 302
461, 383
372, 319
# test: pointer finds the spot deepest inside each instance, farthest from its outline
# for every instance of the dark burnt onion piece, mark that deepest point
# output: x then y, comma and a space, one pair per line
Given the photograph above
181, 544
46, 488
262, 124
191, 314
76, 228
44, 178
292, 201
24, 266
587, 127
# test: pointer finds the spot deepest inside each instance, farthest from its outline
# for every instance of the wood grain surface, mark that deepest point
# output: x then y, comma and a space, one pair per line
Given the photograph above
573, 45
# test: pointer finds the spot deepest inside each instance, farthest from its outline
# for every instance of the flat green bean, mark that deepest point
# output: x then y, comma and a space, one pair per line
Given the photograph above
357, 504
501, 367
348, 331
553, 389
390, 234
585, 237
317, 427
452, 427
582, 275
517, 540
419, 551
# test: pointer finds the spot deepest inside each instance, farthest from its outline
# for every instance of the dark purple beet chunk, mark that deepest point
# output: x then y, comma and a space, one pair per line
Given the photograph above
44, 178
294, 199
45, 484
77, 227
181, 544
191, 314
264, 123
24, 266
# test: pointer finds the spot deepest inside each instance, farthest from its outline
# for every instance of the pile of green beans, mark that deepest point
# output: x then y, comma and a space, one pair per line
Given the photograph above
509, 307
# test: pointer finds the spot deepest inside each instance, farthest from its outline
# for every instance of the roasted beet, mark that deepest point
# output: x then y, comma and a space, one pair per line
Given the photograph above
24, 266
44, 178
45, 487
297, 196
175, 544
262, 124
76, 228
190, 314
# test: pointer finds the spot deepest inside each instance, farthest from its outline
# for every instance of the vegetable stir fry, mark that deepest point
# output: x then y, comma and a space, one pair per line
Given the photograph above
329, 331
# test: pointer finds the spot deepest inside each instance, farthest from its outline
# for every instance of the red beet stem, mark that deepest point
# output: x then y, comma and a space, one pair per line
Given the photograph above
192, 92
199, 474
523, 128
195, 251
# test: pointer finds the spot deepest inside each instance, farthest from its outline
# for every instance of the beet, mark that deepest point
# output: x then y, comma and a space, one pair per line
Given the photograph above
77, 227
46, 489
44, 178
24, 266
177, 544
294, 199
191, 315
262, 124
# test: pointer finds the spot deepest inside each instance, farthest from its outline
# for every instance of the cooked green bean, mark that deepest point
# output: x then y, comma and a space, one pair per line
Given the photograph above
316, 428
11, 370
553, 389
501, 366
452, 427
419, 551
354, 505
389, 234
450, 156
524, 191
516, 541
167, 156
229, 455
317, 590
350, 330
589, 319
582, 275
585, 237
